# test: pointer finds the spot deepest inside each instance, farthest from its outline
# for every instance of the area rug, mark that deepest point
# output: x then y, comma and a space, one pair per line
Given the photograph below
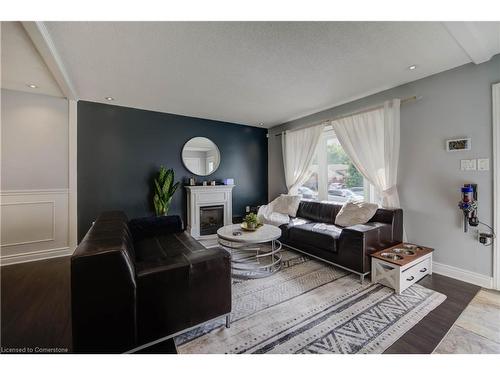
311, 307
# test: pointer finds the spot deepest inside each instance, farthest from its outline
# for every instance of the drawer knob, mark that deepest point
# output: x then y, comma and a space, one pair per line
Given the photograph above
423, 270
410, 278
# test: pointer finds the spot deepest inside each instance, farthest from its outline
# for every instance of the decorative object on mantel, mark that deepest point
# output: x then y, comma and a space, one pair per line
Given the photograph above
164, 190
204, 183
460, 144
192, 181
212, 183
251, 222
228, 181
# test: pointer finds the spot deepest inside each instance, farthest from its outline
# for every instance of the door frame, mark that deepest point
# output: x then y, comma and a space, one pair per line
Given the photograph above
496, 182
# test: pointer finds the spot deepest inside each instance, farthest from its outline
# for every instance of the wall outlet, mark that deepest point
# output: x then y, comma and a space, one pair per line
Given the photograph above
247, 209
483, 164
468, 165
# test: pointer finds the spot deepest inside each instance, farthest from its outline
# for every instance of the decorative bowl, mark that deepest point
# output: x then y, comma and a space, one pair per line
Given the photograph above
410, 246
404, 251
391, 256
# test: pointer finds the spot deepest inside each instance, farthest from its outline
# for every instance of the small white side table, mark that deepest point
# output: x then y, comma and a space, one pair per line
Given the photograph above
401, 266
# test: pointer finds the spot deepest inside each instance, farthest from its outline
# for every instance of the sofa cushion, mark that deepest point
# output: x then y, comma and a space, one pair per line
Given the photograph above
185, 286
320, 235
321, 212
285, 228
154, 226
167, 248
353, 213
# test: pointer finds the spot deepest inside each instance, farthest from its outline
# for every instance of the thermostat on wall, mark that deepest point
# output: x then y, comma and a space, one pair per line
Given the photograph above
461, 144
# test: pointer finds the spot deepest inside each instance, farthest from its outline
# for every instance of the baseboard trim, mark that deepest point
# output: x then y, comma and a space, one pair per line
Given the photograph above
35, 255
463, 275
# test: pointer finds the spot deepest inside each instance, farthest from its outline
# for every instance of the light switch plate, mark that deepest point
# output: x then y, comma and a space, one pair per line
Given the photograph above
468, 165
483, 164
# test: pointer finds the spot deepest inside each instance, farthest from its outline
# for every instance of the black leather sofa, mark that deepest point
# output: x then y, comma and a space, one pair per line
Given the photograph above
314, 232
136, 282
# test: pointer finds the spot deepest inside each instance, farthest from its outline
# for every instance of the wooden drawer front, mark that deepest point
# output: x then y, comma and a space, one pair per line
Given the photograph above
411, 275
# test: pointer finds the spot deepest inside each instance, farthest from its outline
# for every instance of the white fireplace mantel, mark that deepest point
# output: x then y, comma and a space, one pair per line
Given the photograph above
203, 196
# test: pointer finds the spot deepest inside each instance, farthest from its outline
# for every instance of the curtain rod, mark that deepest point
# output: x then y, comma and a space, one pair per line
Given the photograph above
403, 101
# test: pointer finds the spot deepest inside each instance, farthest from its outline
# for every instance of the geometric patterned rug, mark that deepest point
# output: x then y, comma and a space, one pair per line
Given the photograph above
312, 307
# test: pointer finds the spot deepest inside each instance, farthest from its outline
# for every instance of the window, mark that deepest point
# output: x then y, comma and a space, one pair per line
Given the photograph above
334, 177
210, 166
310, 189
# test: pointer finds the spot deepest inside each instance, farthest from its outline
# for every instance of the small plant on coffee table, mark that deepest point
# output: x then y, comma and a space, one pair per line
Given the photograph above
251, 221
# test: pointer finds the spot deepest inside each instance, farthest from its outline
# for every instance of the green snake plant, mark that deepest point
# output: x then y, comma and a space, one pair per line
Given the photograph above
164, 190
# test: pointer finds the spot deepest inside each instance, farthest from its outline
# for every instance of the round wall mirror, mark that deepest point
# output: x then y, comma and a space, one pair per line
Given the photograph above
201, 156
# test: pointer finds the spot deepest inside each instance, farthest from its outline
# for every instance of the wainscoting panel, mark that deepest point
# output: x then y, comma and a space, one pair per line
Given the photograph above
34, 225
37, 219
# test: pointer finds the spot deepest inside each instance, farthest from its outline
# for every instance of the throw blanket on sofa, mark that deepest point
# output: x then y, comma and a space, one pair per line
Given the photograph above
266, 215
278, 212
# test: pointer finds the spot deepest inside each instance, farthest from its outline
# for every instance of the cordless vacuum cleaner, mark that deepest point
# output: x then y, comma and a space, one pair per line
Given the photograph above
468, 205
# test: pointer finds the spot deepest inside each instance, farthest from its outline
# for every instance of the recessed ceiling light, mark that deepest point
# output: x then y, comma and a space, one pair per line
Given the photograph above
32, 86
412, 67
109, 98
261, 123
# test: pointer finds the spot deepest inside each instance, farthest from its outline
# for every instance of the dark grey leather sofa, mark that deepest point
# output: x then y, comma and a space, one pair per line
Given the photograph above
136, 282
314, 232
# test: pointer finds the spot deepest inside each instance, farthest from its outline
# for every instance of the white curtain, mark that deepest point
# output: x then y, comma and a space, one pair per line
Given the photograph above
371, 139
299, 147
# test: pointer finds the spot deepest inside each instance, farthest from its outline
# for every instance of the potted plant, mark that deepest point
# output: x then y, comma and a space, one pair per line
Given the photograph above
165, 188
251, 221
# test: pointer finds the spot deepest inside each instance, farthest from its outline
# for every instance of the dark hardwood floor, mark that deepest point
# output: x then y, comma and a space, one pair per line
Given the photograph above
36, 305
428, 333
35, 311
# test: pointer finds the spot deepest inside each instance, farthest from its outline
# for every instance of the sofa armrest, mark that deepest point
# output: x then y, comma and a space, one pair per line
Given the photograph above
146, 227
103, 302
362, 240
183, 292
360, 236
394, 217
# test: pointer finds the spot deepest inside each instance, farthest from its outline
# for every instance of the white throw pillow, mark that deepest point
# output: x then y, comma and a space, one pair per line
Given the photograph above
287, 204
353, 213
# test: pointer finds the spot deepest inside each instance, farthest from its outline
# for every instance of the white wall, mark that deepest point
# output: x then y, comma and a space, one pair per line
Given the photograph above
35, 141
455, 103
34, 183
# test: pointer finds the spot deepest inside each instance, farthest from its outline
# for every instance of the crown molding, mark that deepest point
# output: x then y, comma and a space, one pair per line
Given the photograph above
475, 40
42, 40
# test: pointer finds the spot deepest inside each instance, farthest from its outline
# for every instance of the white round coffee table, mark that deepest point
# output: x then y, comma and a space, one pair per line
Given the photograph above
249, 259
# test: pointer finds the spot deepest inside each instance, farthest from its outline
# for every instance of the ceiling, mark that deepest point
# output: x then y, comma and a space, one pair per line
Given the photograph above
22, 64
255, 73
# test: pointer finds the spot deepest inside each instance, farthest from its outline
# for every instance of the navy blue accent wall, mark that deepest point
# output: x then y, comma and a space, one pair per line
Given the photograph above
120, 149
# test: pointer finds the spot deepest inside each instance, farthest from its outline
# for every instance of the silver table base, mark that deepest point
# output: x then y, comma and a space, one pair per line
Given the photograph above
251, 260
